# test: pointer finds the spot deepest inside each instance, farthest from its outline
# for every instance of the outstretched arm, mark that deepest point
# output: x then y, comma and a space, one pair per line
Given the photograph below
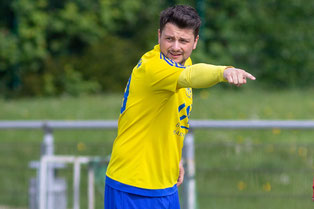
205, 75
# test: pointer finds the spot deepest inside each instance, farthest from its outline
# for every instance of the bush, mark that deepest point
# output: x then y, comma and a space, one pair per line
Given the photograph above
271, 38
105, 66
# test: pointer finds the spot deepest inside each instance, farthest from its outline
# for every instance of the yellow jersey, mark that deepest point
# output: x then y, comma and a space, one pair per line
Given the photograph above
152, 125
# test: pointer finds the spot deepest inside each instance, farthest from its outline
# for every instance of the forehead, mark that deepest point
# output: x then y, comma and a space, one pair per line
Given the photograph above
173, 30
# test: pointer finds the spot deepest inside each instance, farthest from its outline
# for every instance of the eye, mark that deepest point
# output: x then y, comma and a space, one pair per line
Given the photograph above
184, 41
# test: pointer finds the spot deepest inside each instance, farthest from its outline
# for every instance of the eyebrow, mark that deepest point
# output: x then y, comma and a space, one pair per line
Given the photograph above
184, 39
180, 38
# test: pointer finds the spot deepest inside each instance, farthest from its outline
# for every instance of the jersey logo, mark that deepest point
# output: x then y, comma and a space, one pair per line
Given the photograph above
188, 92
170, 62
184, 114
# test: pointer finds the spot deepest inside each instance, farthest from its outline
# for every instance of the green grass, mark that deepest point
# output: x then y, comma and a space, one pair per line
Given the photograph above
64, 108
236, 169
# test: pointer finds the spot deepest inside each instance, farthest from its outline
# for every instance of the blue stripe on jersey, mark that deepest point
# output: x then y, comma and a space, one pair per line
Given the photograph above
182, 117
181, 107
140, 191
139, 63
180, 66
171, 62
185, 127
188, 110
126, 95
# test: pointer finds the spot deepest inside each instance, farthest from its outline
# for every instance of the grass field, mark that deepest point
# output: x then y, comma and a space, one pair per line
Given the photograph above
236, 169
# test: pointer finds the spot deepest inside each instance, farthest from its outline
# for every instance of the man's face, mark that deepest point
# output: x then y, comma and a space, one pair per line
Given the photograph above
177, 43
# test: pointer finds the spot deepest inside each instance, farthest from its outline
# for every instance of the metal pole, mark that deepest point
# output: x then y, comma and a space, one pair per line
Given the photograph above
91, 181
47, 149
47, 145
42, 184
189, 180
76, 184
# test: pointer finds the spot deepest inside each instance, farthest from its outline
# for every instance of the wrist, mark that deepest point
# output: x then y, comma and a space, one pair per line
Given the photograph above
224, 78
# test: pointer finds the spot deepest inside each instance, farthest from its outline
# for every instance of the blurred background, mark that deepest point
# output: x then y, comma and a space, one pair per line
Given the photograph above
71, 59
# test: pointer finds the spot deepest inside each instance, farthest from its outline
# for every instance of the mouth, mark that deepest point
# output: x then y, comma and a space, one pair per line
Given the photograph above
175, 55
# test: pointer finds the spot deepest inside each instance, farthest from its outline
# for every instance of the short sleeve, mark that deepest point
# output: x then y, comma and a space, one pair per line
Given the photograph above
163, 73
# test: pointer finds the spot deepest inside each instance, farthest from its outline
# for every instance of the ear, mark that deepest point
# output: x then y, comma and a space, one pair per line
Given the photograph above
195, 41
159, 36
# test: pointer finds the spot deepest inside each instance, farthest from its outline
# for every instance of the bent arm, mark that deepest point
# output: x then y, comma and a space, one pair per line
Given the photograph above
201, 76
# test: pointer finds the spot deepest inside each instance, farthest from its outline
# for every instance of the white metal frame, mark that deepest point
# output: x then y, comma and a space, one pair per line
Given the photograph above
77, 161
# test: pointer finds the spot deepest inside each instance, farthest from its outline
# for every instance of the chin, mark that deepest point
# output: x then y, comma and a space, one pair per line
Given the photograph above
177, 61
180, 61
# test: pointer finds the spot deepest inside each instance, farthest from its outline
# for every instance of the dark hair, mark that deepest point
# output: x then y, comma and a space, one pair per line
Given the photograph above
182, 16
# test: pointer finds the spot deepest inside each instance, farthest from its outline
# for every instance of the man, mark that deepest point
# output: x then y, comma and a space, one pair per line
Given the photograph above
145, 170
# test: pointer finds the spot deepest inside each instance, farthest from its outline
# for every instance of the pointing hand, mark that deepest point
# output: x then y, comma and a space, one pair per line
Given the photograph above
237, 76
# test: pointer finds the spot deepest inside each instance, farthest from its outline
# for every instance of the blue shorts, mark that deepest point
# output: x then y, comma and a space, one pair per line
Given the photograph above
116, 199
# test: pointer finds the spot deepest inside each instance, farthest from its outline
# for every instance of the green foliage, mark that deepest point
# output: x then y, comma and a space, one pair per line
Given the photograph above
62, 78
109, 62
9, 54
273, 39
49, 34
31, 30
104, 66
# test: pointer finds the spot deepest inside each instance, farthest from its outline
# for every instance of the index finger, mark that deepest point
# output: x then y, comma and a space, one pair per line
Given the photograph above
250, 76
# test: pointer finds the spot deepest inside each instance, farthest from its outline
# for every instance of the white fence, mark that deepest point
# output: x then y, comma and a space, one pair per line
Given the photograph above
188, 152
44, 184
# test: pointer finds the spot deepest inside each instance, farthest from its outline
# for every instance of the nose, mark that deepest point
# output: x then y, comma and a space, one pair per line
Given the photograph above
176, 46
